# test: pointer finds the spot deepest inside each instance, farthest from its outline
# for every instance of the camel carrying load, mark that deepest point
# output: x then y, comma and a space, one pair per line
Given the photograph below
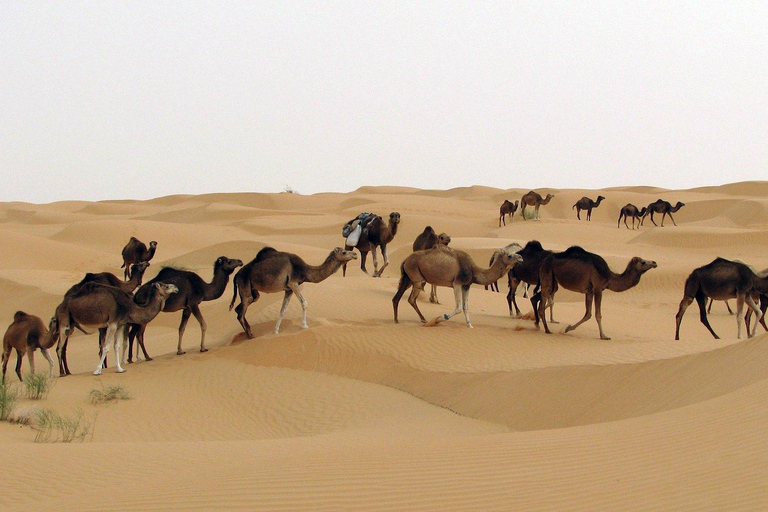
353, 229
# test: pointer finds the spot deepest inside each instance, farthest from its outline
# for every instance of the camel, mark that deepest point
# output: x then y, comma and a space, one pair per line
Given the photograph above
428, 239
136, 251
192, 291
763, 302
507, 208
448, 267
663, 207
273, 271
630, 210
109, 279
376, 234
528, 272
513, 247
722, 279
580, 271
99, 306
586, 203
533, 199
26, 334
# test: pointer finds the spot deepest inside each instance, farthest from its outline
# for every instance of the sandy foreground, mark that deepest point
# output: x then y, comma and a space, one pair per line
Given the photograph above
360, 413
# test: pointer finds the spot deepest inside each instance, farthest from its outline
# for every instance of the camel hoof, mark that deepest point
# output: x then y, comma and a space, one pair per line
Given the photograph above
305, 326
120, 370
470, 326
180, 352
97, 372
203, 349
147, 359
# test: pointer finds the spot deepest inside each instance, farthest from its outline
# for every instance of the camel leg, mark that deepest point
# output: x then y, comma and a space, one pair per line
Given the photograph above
539, 302
417, 288
374, 252
459, 296
104, 349
465, 304
433, 294
739, 315
384, 256
587, 314
19, 359
203, 327
405, 283
536, 212
61, 352
578, 213
119, 336
680, 312
673, 219
363, 256
286, 300
701, 300
758, 314
513, 284
303, 301
47, 356
599, 314
138, 330
242, 308
551, 306
6, 356
31, 358
182, 327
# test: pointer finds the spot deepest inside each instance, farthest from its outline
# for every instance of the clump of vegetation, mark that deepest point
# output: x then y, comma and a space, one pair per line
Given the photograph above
108, 394
51, 427
37, 385
290, 190
9, 395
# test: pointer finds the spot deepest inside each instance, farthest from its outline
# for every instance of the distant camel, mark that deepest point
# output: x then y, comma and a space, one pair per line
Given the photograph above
26, 334
428, 239
533, 199
376, 234
722, 279
580, 271
663, 207
586, 203
136, 251
273, 272
514, 247
528, 272
448, 267
507, 208
192, 291
630, 210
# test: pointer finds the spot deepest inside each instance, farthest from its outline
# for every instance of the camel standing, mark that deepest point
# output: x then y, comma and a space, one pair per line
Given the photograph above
586, 203
109, 279
533, 199
630, 210
448, 267
192, 291
26, 334
663, 207
276, 272
513, 247
580, 271
376, 234
527, 272
722, 279
136, 251
428, 239
507, 208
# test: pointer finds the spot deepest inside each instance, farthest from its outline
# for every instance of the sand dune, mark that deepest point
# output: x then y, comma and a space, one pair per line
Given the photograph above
360, 413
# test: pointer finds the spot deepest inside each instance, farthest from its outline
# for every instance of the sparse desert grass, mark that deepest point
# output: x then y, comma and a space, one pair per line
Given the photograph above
37, 385
108, 394
51, 427
9, 394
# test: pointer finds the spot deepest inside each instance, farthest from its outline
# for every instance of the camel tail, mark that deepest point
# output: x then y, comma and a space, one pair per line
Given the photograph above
123, 265
234, 295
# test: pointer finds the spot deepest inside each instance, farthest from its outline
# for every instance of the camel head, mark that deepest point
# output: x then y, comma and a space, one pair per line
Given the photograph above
444, 238
394, 218
226, 264
140, 267
165, 289
509, 259
642, 265
642, 211
344, 255
152, 245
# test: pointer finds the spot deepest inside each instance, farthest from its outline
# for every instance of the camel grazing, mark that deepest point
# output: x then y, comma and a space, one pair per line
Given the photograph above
513, 247
580, 271
722, 279
528, 272
26, 334
98, 306
507, 208
630, 210
452, 268
533, 199
274, 271
192, 291
136, 251
663, 207
376, 234
586, 203
428, 239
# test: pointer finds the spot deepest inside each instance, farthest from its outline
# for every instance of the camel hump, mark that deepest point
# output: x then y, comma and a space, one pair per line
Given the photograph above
266, 252
19, 316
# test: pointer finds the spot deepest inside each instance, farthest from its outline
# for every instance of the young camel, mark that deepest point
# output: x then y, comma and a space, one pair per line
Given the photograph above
533, 199
663, 207
376, 234
586, 203
136, 251
192, 291
630, 210
273, 272
580, 271
99, 306
507, 208
26, 334
448, 267
428, 239
722, 279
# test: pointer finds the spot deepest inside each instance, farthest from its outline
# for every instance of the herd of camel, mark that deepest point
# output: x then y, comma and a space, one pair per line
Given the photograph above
120, 309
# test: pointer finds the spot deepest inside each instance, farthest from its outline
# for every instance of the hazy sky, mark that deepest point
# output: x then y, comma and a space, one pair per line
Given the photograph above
104, 100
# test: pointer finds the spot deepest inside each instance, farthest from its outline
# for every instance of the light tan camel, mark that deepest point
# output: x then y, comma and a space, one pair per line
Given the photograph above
26, 334
512, 248
586, 203
135, 251
376, 234
273, 271
443, 266
100, 306
630, 210
507, 208
533, 199
663, 207
580, 271
428, 239
722, 279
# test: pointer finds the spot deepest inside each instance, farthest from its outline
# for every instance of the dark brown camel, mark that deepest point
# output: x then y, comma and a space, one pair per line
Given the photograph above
663, 207
722, 279
527, 272
109, 279
26, 334
192, 291
136, 251
376, 234
533, 199
763, 299
507, 208
428, 239
586, 203
580, 271
274, 271
630, 210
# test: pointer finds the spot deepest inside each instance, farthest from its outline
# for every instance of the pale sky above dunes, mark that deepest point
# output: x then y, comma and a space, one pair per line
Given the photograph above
109, 100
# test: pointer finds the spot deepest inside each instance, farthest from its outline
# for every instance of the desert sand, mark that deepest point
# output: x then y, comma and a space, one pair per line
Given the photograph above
359, 413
